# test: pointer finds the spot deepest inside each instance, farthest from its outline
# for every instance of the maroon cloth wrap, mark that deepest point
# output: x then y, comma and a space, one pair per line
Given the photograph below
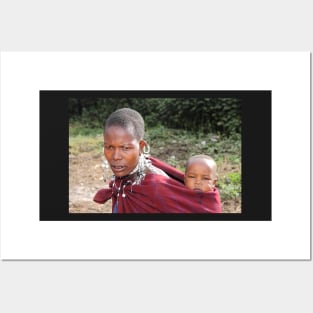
160, 194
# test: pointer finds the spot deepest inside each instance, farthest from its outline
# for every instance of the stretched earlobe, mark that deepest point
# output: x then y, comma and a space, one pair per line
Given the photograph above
145, 147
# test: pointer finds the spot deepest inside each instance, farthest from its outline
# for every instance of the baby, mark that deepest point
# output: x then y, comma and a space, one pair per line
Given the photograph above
200, 174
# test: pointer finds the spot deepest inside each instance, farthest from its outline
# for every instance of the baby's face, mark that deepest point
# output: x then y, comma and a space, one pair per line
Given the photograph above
199, 175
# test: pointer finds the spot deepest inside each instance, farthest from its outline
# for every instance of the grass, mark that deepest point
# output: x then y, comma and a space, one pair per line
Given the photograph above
83, 139
77, 129
175, 147
81, 143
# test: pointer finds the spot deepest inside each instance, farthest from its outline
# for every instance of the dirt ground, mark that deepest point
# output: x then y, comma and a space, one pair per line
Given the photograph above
86, 177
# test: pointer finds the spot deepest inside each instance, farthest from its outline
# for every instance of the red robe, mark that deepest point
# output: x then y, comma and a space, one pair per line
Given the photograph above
159, 194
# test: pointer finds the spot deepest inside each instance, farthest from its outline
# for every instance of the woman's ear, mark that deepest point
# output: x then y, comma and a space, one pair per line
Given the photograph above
142, 144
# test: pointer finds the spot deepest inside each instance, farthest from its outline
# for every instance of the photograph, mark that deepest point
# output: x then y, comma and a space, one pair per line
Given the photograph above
159, 155
188, 147
80, 153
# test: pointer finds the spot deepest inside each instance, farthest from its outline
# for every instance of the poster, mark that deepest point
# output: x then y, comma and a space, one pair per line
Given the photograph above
286, 75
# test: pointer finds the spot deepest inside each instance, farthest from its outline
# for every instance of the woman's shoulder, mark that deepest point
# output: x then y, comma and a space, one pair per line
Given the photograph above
167, 169
160, 179
155, 170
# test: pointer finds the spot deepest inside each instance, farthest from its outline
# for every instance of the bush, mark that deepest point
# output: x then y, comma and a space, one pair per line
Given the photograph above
230, 186
214, 115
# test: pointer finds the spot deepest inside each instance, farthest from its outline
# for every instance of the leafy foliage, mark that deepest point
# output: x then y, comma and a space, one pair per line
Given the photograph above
230, 186
215, 115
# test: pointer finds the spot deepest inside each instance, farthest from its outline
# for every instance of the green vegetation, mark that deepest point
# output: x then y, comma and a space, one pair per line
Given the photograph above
84, 139
207, 115
175, 147
230, 186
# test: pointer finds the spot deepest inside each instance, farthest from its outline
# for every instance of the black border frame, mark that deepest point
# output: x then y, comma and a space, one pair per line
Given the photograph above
256, 156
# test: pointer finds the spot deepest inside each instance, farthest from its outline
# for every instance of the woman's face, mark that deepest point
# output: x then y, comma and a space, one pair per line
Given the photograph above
121, 149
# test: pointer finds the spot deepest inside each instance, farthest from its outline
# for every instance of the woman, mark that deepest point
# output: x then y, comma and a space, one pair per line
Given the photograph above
143, 184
